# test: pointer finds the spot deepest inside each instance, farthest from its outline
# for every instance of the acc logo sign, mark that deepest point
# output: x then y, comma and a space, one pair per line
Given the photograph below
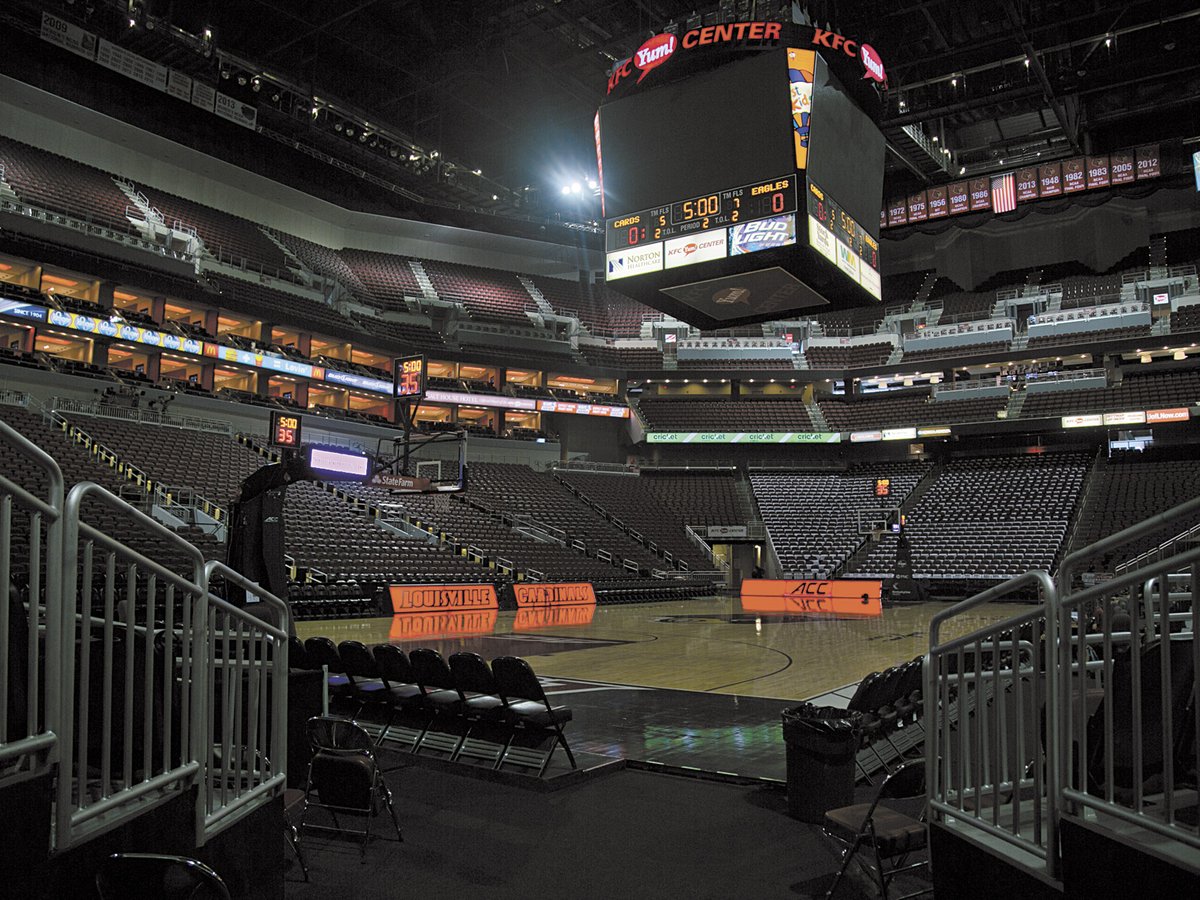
654, 53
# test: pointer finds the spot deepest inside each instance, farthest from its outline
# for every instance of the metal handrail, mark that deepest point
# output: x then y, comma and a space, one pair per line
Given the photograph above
77, 816
264, 677
39, 749
989, 735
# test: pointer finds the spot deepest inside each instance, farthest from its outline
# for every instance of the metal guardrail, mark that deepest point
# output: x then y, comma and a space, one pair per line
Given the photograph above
243, 744
1114, 697
141, 416
37, 534
129, 719
1123, 714
989, 770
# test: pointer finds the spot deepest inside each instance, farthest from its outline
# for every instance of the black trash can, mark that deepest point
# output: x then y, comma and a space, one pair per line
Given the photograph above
822, 742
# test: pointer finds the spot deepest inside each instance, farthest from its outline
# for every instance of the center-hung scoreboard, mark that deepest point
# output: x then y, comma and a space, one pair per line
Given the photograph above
745, 190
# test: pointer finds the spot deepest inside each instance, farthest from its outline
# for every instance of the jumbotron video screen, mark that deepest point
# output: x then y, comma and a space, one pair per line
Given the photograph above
745, 193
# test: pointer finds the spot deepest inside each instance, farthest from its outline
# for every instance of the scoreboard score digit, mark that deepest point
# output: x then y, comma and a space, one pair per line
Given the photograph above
409, 378
285, 430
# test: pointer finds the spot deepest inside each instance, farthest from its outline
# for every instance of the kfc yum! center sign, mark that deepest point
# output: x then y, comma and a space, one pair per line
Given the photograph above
668, 49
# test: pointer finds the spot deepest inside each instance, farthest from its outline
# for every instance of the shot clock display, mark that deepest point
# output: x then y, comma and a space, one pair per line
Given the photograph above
702, 183
285, 430
409, 378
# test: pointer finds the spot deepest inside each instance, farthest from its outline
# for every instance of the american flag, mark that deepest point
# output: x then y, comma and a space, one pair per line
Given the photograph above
1004, 193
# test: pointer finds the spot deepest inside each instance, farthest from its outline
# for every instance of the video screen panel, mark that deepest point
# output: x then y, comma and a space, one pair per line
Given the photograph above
846, 149
713, 131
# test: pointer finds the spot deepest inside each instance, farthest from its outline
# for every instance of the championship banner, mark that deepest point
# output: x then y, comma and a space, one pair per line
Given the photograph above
859, 599
531, 618
415, 626
410, 598
530, 594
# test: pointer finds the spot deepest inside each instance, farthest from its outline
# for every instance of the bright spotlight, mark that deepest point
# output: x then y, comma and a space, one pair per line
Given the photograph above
566, 189
576, 187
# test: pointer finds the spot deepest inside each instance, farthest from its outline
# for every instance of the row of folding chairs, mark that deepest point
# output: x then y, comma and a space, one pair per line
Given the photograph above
889, 701
462, 707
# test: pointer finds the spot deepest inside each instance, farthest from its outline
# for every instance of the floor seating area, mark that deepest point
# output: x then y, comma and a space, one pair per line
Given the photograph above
79, 465
519, 490
211, 464
837, 508
979, 521
324, 534
467, 526
659, 506
725, 414
1131, 486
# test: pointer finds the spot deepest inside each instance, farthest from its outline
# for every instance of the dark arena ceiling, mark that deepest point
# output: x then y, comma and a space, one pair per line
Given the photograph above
488, 105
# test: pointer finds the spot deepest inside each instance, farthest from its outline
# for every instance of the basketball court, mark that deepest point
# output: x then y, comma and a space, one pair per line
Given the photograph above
695, 684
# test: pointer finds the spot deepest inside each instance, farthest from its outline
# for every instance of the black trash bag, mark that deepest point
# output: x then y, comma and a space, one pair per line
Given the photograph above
821, 742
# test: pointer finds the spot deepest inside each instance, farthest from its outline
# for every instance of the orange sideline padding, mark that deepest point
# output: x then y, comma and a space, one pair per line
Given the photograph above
531, 618
407, 598
569, 594
424, 625
837, 597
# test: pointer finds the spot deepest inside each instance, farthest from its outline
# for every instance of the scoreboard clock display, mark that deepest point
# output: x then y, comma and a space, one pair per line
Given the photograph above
285, 430
748, 203
409, 378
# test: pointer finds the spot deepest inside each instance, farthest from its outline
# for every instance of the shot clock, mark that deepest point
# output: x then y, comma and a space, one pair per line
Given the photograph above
409, 378
285, 430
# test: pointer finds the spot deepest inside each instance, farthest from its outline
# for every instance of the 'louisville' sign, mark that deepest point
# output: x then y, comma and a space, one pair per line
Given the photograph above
423, 625
833, 597
408, 598
570, 594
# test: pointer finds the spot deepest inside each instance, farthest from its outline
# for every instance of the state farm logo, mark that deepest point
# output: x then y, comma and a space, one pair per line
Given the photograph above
872, 63
654, 53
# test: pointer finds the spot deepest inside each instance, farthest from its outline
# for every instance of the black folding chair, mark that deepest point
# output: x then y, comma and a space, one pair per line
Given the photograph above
440, 696
322, 653
528, 709
404, 694
889, 834
156, 876
345, 777
362, 673
481, 703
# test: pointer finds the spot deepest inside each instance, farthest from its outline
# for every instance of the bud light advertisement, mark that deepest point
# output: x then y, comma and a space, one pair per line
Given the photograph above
763, 234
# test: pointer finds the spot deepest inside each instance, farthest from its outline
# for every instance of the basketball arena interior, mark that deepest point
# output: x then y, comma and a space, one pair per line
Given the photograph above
493, 449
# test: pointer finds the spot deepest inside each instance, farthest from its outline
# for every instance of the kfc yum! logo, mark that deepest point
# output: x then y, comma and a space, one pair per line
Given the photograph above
654, 53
